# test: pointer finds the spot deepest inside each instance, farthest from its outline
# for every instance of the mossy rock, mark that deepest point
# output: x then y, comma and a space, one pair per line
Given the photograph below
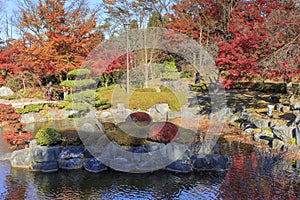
268, 129
126, 133
257, 130
70, 137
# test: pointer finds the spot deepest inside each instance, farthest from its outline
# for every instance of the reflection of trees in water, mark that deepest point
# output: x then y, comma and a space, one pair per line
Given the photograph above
16, 188
259, 175
111, 184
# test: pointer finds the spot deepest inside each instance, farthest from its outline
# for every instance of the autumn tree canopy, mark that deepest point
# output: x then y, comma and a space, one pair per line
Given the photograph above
251, 40
55, 37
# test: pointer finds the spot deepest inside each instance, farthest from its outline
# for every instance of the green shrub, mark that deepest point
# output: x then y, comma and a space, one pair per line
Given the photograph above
186, 74
79, 72
292, 141
110, 87
47, 136
145, 100
268, 129
30, 108
80, 100
145, 90
11, 97
63, 104
165, 89
269, 87
86, 96
78, 106
242, 85
202, 87
85, 83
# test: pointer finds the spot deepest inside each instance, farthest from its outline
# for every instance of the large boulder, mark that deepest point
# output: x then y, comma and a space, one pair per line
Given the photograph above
45, 154
210, 162
282, 132
71, 152
159, 112
259, 123
32, 118
21, 158
68, 113
94, 165
51, 166
180, 166
5, 92
73, 163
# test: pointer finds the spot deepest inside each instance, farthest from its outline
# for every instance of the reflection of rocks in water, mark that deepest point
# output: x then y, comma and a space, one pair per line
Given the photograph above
159, 184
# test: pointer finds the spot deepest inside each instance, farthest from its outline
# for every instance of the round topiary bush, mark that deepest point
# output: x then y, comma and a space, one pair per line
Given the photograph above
47, 136
140, 118
163, 132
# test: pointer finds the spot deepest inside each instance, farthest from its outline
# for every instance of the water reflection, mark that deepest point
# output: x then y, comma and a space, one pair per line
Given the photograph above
254, 174
257, 174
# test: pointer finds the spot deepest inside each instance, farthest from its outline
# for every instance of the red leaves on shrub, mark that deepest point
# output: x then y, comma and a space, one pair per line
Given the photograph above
17, 138
163, 131
139, 117
14, 135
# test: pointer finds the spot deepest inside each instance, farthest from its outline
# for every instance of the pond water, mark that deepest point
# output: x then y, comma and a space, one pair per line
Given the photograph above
254, 174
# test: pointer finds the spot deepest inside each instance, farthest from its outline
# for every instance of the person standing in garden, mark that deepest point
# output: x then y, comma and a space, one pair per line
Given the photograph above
49, 91
197, 80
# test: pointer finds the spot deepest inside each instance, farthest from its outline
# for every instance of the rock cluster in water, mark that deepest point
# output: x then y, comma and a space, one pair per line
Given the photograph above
53, 158
163, 139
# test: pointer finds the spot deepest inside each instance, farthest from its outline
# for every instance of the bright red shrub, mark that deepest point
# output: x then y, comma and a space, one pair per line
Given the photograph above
163, 132
14, 134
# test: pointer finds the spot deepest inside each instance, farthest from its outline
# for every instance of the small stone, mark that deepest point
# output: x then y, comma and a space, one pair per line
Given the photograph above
277, 144
73, 163
94, 165
211, 162
180, 166
5, 92
297, 105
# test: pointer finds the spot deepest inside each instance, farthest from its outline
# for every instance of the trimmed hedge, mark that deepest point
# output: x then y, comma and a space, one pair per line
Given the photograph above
79, 72
85, 83
30, 108
165, 89
145, 100
145, 90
